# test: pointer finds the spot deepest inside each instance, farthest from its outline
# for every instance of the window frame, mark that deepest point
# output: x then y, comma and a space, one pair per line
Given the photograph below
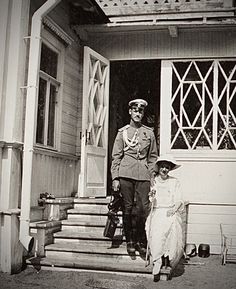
165, 116
55, 45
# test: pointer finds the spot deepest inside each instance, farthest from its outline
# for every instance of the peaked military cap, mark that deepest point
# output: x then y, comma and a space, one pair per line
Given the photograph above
140, 103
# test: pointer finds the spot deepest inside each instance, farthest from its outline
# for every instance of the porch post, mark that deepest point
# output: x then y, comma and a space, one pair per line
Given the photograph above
13, 27
30, 119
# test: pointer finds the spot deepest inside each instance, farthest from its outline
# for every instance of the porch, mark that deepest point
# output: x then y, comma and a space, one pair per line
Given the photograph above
54, 155
75, 241
207, 273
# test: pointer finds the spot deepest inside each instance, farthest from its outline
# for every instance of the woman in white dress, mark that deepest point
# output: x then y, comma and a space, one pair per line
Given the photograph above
164, 224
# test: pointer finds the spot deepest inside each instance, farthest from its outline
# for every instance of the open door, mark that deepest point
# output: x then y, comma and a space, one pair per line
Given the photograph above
94, 138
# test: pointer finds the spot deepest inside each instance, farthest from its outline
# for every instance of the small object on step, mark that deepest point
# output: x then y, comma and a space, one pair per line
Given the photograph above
204, 250
190, 250
46, 195
74, 195
41, 202
50, 196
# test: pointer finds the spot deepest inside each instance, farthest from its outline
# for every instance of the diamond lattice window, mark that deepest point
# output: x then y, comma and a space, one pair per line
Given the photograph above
203, 105
97, 103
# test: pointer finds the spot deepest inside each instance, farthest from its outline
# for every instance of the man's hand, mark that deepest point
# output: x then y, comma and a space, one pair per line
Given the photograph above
116, 185
152, 181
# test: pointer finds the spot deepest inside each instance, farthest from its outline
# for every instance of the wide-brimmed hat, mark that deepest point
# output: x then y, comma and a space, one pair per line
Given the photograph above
169, 159
140, 103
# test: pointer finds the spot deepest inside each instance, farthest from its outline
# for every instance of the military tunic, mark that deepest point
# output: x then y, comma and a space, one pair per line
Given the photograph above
134, 153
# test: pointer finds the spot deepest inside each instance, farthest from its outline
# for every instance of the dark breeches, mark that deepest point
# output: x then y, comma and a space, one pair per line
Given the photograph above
135, 208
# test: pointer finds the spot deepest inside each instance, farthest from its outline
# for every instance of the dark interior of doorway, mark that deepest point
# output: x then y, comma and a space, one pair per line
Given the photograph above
132, 79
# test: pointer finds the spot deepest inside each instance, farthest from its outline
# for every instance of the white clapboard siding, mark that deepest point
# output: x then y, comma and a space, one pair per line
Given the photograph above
55, 174
72, 87
70, 110
67, 148
203, 223
69, 128
69, 139
71, 99
68, 120
159, 44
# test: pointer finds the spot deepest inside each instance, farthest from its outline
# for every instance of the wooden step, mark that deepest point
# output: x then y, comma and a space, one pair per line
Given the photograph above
80, 245
80, 222
95, 243
98, 201
91, 209
72, 234
88, 218
107, 249
96, 264
81, 255
68, 249
81, 228
86, 210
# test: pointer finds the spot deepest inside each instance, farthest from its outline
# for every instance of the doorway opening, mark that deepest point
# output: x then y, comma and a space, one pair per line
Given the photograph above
132, 79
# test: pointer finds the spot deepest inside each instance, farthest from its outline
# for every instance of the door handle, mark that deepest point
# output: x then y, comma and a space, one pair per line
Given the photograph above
87, 136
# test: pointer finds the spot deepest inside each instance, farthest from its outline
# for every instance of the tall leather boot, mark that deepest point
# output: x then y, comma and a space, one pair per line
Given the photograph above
141, 243
127, 224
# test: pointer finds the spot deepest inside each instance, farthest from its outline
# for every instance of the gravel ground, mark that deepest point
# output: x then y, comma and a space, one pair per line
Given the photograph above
203, 273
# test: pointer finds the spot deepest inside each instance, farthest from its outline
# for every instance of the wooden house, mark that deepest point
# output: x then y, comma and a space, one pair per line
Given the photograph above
68, 70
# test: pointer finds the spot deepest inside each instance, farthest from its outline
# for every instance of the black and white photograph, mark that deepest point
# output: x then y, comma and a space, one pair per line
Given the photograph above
118, 144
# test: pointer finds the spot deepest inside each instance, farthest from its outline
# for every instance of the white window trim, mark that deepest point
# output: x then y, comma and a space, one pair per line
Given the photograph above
165, 121
53, 43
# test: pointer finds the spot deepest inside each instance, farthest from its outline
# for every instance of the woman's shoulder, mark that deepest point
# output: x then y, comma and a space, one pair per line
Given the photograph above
174, 180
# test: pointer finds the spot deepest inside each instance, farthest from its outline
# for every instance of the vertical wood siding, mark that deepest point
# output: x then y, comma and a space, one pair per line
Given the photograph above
203, 224
53, 174
71, 101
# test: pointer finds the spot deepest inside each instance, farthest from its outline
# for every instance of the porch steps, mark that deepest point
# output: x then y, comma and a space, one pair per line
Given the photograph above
81, 245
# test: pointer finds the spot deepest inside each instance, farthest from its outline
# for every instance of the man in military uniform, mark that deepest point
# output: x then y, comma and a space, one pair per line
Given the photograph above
133, 160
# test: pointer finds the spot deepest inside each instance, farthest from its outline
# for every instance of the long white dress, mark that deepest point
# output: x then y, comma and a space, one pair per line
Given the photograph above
164, 233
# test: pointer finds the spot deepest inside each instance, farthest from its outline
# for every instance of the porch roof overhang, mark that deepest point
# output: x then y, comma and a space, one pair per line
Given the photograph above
140, 15
172, 26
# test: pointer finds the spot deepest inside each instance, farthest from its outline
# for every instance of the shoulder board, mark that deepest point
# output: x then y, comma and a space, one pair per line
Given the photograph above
124, 127
148, 127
